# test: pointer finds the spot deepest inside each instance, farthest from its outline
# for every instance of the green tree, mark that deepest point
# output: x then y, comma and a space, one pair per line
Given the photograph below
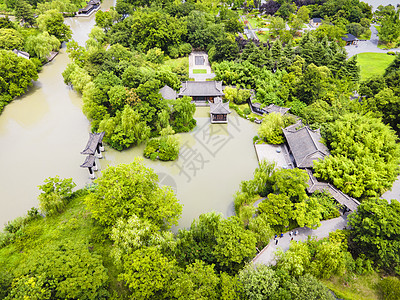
225, 49
182, 115
235, 244
155, 29
277, 25
278, 209
24, 12
16, 74
259, 282
198, 242
10, 39
364, 156
130, 189
42, 44
147, 273
387, 105
375, 232
271, 127
65, 270
54, 195
304, 14
53, 22
390, 27
198, 281
125, 129
135, 233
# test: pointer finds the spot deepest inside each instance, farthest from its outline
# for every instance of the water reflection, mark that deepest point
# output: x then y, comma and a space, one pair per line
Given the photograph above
43, 132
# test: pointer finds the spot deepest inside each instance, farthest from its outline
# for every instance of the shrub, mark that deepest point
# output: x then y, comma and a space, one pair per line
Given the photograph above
247, 111
185, 49
55, 195
173, 52
151, 147
255, 139
271, 127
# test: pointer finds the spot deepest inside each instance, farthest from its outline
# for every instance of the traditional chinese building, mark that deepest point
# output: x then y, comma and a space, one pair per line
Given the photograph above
350, 39
201, 92
94, 144
315, 22
91, 6
219, 111
168, 93
304, 145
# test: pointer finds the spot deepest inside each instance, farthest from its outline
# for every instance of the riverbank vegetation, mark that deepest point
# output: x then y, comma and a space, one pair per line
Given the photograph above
33, 38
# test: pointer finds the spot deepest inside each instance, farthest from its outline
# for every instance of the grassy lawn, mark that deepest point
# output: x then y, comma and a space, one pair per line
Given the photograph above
356, 287
263, 37
74, 224
253, 22
373, 63
199, 71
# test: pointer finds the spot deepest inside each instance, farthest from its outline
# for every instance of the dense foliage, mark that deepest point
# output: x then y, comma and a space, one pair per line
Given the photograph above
125, 190
16, 74
55, 194
364, 156
375, 233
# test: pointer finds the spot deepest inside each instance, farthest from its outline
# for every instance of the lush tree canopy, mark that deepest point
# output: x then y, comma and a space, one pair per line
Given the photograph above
375, 233
364, 156
125, 190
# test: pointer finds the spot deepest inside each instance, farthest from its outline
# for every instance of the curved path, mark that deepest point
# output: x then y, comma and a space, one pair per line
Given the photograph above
267, 257
370, 45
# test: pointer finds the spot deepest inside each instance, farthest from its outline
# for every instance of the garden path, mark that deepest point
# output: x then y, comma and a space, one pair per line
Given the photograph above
370, 45
266, 255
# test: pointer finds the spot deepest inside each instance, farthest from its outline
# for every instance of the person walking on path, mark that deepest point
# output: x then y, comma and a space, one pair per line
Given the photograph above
282, 235
291, 233
276, 236
296, 232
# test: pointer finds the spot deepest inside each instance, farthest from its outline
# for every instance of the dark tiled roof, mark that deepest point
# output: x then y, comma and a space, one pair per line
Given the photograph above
219, 108
305, 145
201, 88
348, 37
339, 196
89, 162
89, 5
275, 108
168, 93
94, 140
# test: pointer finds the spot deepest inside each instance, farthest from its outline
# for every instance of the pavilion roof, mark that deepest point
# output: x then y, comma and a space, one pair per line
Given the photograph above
201, 88
305, 145
94, 139
168, 93
275, 108
219, 108
348, 37
89, 162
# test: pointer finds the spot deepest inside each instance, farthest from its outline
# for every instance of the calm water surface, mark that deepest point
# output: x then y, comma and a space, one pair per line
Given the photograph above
43, 132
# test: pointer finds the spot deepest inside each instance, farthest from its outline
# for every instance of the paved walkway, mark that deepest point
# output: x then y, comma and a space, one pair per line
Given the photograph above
205, 66
266, 256
370, 45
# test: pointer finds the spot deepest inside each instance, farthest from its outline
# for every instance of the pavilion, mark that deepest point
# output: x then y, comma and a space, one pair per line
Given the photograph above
219, 111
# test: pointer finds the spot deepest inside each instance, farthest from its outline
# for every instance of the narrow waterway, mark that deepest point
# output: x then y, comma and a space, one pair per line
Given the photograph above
43, 132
